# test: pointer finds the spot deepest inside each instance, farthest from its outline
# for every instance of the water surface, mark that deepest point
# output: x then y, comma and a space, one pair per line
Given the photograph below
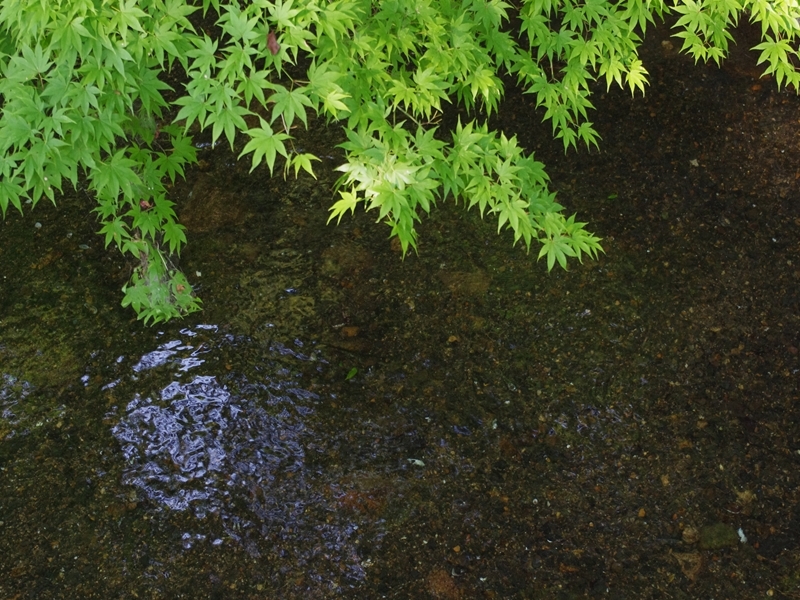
625, 429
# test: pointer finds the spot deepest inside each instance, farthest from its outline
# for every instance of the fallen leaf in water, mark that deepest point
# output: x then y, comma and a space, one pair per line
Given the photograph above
690, 563
441, 585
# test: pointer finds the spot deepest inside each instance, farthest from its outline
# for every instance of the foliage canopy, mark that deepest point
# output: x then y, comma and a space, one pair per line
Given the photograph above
85, 100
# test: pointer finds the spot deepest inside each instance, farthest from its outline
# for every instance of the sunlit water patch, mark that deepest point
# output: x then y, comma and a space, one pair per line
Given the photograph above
22, 410
230, 448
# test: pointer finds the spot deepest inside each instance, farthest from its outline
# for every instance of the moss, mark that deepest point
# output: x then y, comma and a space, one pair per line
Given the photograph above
719, 535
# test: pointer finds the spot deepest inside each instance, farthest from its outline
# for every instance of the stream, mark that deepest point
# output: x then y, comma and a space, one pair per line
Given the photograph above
339, 422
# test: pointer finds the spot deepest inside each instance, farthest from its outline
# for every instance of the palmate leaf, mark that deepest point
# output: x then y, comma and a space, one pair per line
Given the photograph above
183, 152
156, 293
114, 175
583, 242
116, 56
236, 24
776, 52
556, 248
227, 119
194, 108
402, 94
182, 146
288, 104
150, 87
35, 60
128, 16
333, 105
43, 151
174, 236
164, 42
83, 97
302, 161
14, 130
588, 134
636, 76
10, 193
695, 17
483, 81
170, 164
349, 201
612, 70
637, 13
265, 144
146, 221
136, 296
283, 13
204, 55
115, 231
70, 37
253, 86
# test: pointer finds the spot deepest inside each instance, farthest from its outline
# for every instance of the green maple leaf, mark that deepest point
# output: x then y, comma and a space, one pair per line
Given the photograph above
265, 144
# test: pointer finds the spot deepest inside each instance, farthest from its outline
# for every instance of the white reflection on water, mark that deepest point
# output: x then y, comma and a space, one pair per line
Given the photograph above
12, 391
234, 452
185, 447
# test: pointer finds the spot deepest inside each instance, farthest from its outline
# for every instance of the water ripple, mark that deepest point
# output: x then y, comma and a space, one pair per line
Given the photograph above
234, 447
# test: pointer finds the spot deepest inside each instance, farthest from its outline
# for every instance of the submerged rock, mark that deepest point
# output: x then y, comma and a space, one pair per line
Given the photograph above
719, 535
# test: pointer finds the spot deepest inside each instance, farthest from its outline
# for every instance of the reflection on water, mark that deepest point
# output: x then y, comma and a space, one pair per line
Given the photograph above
230, 449
12, 391
19, 413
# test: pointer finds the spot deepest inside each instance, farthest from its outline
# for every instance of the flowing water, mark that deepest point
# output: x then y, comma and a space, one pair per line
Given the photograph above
230, 448
339, 422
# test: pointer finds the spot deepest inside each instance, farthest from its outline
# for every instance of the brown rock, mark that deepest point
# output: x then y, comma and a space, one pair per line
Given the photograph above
441, 585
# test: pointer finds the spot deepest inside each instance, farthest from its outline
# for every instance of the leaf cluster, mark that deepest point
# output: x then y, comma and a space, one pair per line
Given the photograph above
85, 98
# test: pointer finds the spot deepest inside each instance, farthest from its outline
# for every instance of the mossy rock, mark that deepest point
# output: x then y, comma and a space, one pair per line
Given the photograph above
719, 535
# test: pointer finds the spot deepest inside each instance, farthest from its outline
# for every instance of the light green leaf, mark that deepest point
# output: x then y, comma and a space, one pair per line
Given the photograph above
303, 161
288, 104
283, 13
349, 200
265, 144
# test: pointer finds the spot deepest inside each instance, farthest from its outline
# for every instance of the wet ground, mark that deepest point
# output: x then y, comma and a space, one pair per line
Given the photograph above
460, 424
